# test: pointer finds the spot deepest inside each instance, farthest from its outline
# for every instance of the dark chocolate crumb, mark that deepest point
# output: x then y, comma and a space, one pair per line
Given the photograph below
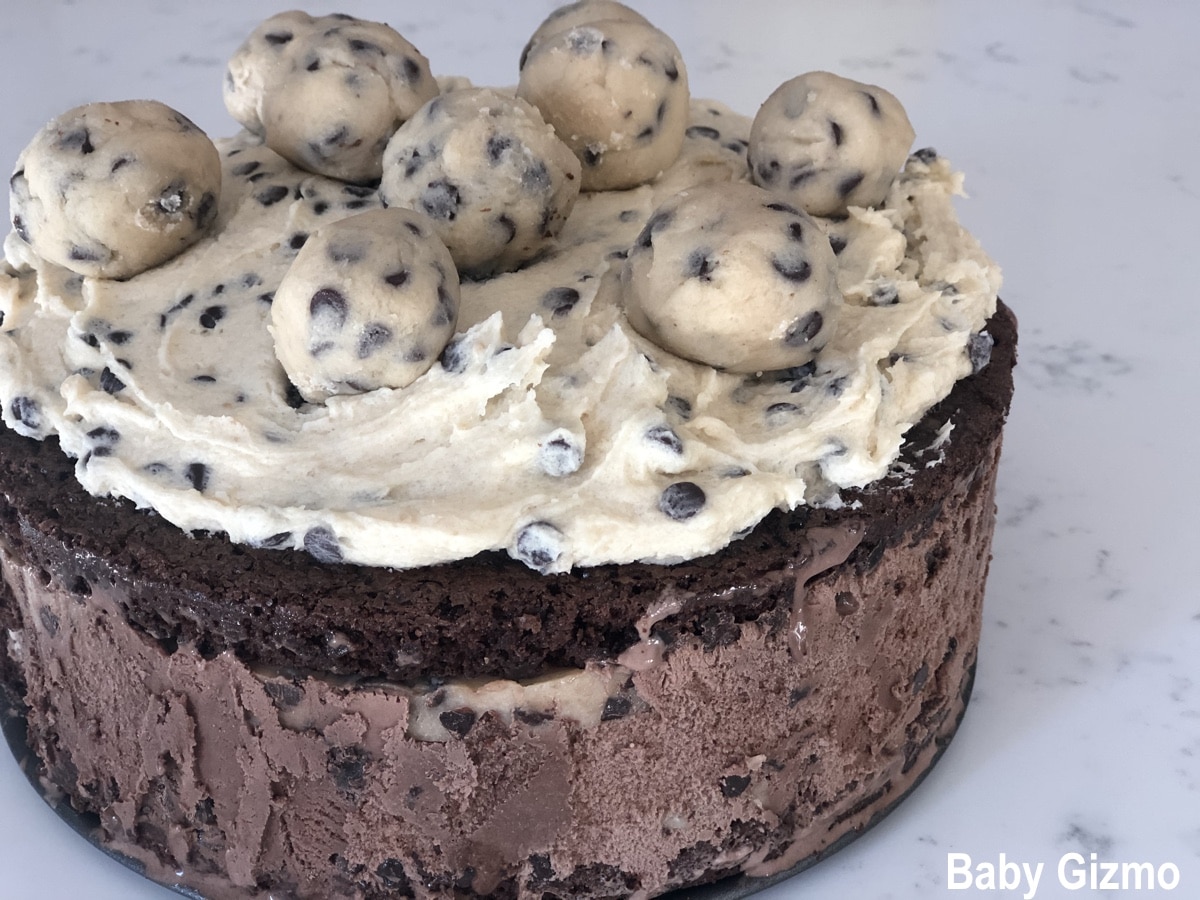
497, 144
920, 677
272, 195
348, 767
298, 240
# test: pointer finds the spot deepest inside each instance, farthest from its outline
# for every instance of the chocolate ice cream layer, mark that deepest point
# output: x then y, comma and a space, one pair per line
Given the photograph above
246, 723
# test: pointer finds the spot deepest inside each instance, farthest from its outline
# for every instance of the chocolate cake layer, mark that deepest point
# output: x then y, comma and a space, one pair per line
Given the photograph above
219, 710
487, 616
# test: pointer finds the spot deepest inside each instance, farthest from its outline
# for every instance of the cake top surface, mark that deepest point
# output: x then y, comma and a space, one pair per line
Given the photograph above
596, 389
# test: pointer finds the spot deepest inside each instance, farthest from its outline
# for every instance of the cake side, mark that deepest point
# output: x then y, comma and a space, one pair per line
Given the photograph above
740, 739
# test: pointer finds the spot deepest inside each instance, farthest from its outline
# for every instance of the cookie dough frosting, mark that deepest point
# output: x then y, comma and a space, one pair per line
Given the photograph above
549, 425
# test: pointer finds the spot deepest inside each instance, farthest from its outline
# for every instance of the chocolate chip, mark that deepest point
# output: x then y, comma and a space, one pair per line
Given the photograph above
767, 171
671, 70
536, 177
391, 873
703, 131
532, 717
357, 45
496, 145
800, 176
27, 411
454, 357
272, 195
665, 436
277, 38
838, 134
80, 139
584, 41
681, 500
119, 163
847, 185
320, 207
197, 476
560, 300
804, 329
322, 545
782, 409
458, 721
656, 222
979, 350
539, 545
734, 785
243, 169
204, 379
374, 336
440, 200
412, 70
616, 707
446, 311
796, 232
845, 603
348, 767
84, 254
798, 694
508, 226
837, 244
211, 316
920, 677
50, 621
330, 306
885, 295
20, 228
398, 278
680, 406
783, 208
560, 456
110, 383
592, 154
875, 110
797, 271
926, 155
104, 435
699, 265
276, 541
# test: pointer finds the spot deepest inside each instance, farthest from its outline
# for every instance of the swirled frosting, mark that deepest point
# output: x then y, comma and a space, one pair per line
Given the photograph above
548, 428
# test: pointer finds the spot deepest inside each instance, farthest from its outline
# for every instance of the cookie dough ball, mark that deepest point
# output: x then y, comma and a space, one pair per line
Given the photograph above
327, 93
616, 92
826, 143
112, 189
730, 276
567, 17
488, 171
369, 302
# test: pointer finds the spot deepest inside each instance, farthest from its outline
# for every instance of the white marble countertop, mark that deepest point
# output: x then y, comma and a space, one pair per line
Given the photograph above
1077, 122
